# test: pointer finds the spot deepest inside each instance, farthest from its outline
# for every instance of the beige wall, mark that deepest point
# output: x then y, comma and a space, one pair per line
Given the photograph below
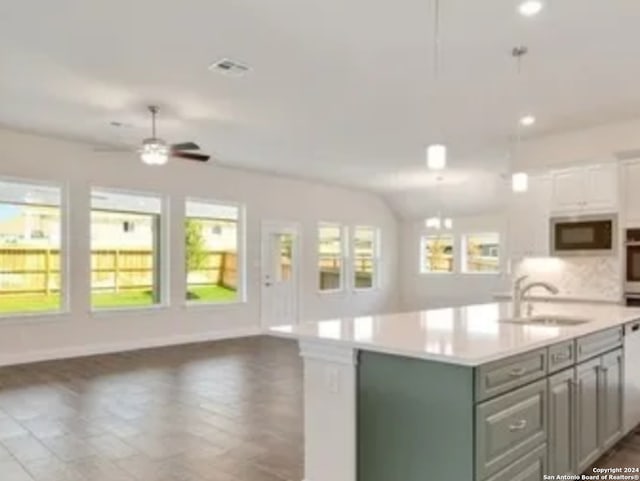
266, 197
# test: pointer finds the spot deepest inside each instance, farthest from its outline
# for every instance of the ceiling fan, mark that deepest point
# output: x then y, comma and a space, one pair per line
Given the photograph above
156, 151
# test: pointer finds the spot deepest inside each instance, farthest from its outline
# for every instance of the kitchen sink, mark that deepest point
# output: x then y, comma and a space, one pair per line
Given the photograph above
547, 321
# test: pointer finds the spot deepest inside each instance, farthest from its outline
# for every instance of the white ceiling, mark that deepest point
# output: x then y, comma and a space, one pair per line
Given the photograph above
339, 91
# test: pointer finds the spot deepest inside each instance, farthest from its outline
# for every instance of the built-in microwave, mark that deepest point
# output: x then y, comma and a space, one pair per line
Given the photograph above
584, 235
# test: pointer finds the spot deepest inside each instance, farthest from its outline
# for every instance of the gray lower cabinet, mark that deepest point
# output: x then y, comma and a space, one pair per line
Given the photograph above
562, 422
531, 467
587, 439
611, 387
585, 413
510, 427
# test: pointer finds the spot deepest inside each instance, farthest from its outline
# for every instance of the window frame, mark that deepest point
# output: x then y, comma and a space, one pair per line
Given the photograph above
376, 260
160, 241
65, 297
424, 236
344, 257
464, 256
241, 292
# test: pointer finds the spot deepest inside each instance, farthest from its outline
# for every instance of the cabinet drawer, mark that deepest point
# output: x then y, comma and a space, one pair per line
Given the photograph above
598, 343
530, 468
507, 374
562, 356
510, 427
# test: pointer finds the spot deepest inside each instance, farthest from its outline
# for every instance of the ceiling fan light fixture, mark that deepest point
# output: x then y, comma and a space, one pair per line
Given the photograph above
520, 182
154, 152
527, 120
530, 8
436, 157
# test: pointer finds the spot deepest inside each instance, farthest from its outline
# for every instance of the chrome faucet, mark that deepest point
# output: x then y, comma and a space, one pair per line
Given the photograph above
520, 292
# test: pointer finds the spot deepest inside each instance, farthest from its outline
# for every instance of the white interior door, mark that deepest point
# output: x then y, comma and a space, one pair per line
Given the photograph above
280, 273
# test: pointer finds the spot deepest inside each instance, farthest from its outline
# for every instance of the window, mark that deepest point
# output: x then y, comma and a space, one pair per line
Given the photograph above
330, 257
481, 253
211, 251
125, 250
436, 253
365, 257
30, 248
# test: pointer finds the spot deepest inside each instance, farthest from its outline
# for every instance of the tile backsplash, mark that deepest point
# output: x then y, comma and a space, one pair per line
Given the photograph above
599, 278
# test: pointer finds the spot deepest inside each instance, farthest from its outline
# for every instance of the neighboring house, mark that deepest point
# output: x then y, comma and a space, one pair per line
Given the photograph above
29, 226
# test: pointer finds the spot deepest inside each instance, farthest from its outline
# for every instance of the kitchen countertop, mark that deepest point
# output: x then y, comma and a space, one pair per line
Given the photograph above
468, 335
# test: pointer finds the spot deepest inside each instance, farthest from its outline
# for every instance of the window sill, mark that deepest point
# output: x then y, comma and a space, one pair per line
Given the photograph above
211, 305
437, 273
331, 292
33, 317
113, 311
365, 290
481, 273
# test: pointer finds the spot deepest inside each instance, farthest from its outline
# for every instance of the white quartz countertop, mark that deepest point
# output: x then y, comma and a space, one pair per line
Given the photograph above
468, 335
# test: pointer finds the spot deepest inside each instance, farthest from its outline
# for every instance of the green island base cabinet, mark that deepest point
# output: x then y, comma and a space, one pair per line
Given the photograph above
374, 416
511, 420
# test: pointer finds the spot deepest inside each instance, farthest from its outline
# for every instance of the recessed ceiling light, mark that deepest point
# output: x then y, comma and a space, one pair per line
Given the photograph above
530, 8
527, 120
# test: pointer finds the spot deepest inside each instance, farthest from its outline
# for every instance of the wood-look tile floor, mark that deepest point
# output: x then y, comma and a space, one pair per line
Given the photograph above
219, 411
626, 454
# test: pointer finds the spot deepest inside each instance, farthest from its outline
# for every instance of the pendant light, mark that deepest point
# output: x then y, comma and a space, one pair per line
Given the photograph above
520, 180
436, 152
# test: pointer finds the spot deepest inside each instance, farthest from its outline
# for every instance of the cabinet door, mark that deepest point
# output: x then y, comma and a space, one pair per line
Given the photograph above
611, 395
601, 192
631, 179
562, 422
529, 220
568, 189
587, 439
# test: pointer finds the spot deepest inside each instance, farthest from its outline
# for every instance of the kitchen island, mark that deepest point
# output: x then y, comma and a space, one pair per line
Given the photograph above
463, 393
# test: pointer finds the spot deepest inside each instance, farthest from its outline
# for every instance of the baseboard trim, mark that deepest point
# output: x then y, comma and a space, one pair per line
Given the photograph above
81, 351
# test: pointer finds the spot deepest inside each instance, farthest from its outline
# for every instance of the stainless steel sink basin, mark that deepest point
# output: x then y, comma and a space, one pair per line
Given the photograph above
547, 321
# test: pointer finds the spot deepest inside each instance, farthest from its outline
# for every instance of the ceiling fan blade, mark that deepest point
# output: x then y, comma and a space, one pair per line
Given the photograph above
186, 146
191, 156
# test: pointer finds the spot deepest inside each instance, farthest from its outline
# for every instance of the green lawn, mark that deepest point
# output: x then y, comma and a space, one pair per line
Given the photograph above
28, 304
102, 300
211, 294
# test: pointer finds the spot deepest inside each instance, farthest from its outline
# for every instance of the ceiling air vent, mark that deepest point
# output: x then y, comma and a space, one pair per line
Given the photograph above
229, 67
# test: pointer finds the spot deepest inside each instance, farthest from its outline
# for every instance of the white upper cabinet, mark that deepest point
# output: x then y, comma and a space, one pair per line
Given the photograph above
528, 217
568, 189
593, 188
631, 189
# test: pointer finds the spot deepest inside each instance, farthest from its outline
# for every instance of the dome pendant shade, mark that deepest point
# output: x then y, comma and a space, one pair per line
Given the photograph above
436, 157
520, 182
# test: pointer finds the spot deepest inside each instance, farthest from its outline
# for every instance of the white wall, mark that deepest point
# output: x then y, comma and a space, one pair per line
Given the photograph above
266, 197
421, 291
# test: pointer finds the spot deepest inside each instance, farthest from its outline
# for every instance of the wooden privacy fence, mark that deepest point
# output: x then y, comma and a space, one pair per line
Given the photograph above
330, 271
444, 263
28, 270
37, 270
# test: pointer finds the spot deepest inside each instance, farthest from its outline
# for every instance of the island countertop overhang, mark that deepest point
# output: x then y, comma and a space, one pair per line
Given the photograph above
467, 335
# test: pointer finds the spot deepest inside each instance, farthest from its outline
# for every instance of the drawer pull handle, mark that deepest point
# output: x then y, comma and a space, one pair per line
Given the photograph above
517, 372
561, 357
519, 426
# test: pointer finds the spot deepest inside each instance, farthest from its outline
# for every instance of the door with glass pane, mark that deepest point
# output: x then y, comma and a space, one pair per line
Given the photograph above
280, 273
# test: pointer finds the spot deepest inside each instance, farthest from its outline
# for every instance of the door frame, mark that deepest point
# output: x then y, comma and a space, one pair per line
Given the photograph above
288, 227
